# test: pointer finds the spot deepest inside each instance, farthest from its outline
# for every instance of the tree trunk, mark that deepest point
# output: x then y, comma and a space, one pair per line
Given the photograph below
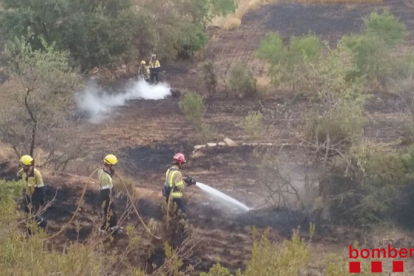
34, 121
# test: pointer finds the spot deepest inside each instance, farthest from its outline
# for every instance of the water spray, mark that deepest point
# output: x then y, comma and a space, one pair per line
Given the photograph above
222, 196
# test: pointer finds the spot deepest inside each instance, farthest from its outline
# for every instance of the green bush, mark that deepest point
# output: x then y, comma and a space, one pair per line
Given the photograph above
373, 50
193, 108
253, 124
385, 26
271, 259
210, 78
286, 62
343, 123
241, 81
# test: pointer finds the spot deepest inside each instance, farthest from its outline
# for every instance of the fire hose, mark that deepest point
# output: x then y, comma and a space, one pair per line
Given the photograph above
80, 203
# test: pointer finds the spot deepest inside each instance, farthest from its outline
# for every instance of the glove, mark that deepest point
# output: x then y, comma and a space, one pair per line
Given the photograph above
189, 181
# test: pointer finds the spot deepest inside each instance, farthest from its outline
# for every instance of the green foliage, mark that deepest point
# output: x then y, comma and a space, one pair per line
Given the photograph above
193, 108
385, 26
339, 266
286, 62
343, 123
33, 256
373, 49
253, 124
241, 81
342, 119
271, 259
210, 78
39, 93
217, 270
223, 7
106, 33
95, 33
367, 183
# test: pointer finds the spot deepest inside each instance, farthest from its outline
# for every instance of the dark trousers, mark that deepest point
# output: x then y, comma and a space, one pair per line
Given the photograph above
154, 77
179, 202
32, 204
110, 219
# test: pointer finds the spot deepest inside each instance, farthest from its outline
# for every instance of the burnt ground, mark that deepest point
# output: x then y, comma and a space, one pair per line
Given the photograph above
145, 134
328, 21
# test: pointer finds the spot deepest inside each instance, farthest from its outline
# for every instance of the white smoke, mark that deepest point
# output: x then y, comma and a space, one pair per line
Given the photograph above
98, 103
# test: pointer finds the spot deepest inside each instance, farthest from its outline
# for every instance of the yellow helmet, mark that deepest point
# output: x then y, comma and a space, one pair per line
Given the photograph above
143, 62
26, 160
110, 159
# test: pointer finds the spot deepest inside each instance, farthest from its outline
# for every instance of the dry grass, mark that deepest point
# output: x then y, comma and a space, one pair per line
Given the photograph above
6, 152
231, 23
234, 20
263, 84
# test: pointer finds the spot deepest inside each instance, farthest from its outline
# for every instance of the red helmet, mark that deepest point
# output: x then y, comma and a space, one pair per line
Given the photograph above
179, 157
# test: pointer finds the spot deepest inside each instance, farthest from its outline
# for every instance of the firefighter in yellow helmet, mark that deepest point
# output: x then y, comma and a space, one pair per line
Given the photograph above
174, 183
155, 68
105, 175
144, 71
34, 194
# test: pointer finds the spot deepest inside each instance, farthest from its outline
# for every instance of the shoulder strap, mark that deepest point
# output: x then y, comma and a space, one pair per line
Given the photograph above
170, 174
31, 174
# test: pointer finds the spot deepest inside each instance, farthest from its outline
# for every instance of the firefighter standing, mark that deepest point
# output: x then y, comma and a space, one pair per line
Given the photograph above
155, 67
144, 71
34, 194
105, 175
174, 183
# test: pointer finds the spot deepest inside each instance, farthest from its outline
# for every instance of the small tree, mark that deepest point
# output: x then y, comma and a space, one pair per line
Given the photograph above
241, 81
193, 108
210, 79
37, 95
253, 124
286, 63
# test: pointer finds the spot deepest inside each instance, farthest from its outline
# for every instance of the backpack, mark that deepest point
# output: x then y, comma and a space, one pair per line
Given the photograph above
166, 190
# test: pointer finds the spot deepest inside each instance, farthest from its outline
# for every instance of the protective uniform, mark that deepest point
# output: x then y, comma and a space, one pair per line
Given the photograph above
144, 71
34, 194
106, 191
174, 183
155, 68
174, 186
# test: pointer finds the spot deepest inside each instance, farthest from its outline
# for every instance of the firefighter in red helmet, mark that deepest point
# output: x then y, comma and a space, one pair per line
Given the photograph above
174, 183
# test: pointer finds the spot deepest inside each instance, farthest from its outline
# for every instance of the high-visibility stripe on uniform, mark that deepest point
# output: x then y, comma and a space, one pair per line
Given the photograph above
170, 176
155, 64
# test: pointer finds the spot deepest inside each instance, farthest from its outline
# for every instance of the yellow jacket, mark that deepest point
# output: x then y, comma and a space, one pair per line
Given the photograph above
174, 179
105, 180
155, 64
144, 71
33, 179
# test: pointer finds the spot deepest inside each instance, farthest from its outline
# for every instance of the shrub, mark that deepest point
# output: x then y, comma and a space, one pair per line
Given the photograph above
385, 26
253, 124
205, 132
271, 259
210, 78
373, 49
343, 123
241, 81
286, 63
193, 108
